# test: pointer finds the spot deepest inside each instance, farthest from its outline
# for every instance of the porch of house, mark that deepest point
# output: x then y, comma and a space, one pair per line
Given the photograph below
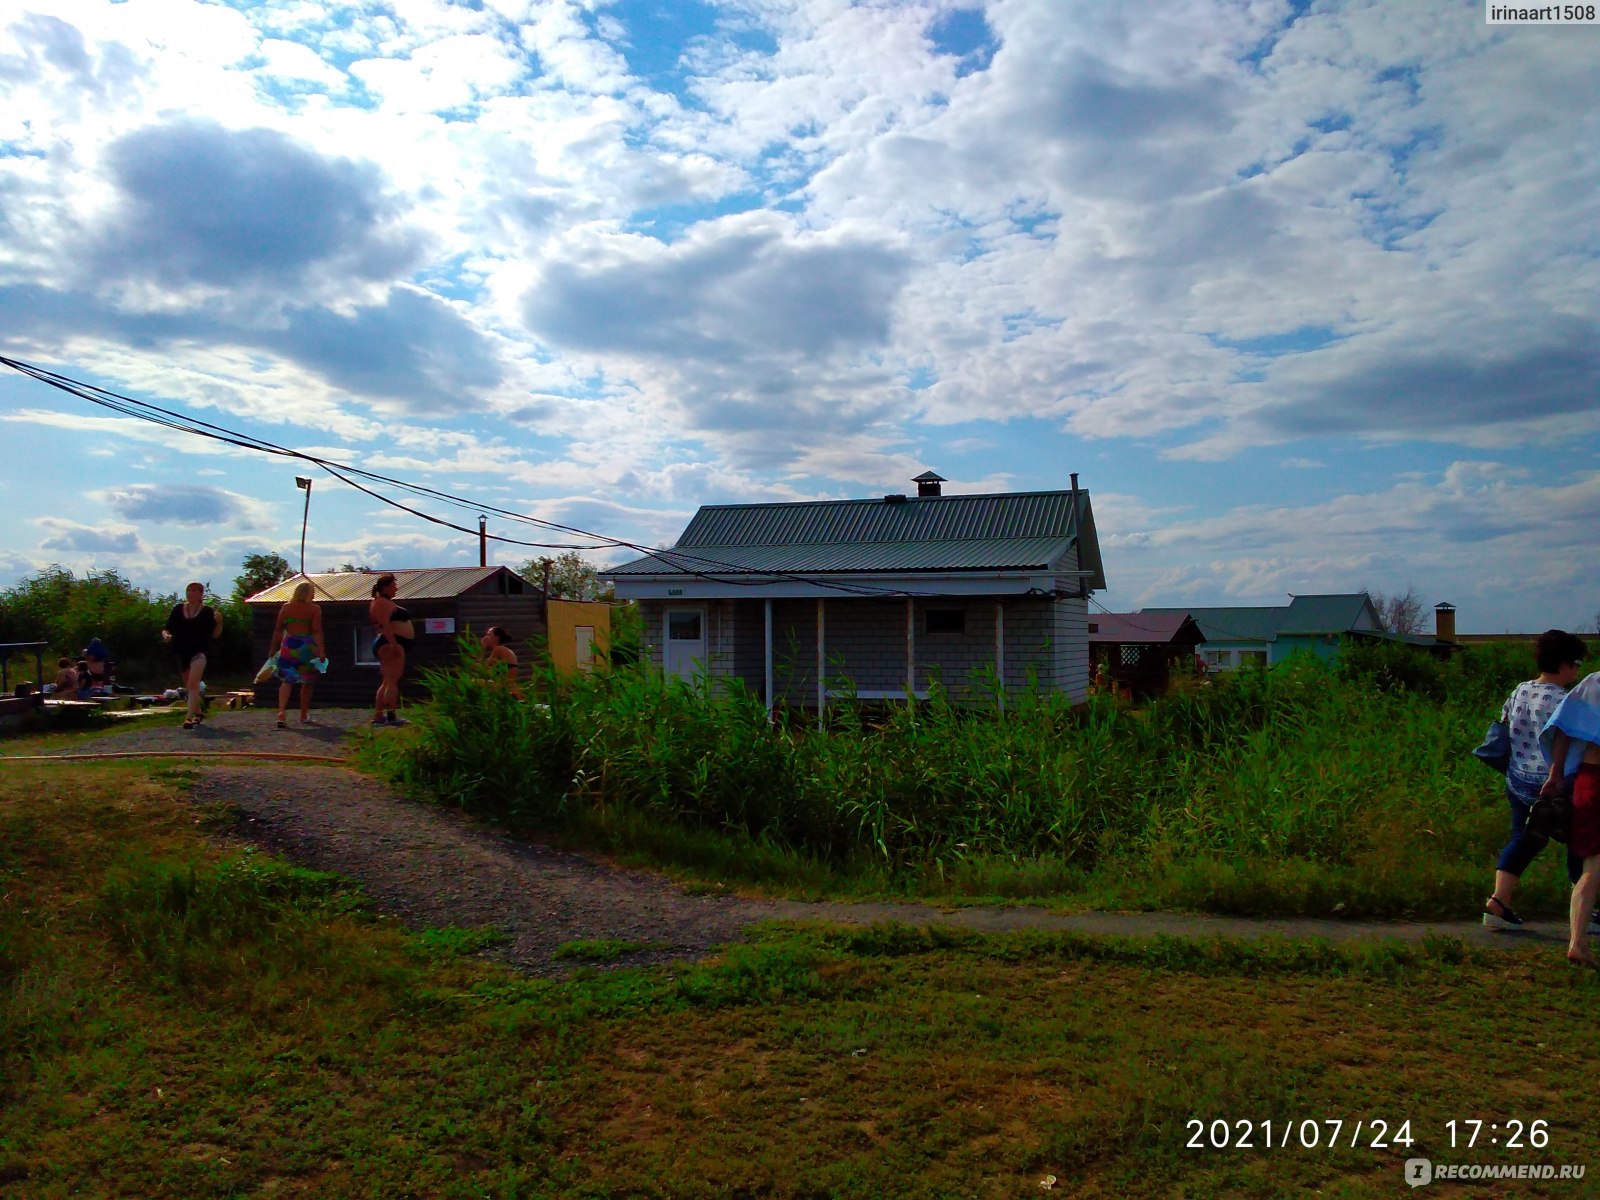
806, 653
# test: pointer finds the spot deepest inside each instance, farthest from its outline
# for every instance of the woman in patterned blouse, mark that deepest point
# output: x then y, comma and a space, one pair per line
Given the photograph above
1526, 710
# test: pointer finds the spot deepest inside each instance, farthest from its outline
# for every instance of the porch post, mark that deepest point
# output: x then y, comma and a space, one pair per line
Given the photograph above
822, 679
1000, 651
911, 648
768, 654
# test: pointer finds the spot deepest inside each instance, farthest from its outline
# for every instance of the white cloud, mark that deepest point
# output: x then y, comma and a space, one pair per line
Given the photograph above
495, 251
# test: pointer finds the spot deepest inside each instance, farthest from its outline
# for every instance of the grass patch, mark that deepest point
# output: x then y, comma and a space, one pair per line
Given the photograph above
181, 1021
1304, 790
600, 949
456, 940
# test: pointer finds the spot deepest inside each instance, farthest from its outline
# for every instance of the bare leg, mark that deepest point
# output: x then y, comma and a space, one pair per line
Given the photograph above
283, 699
1583, 898
305, 702
392, 661
191, 681
1505, 886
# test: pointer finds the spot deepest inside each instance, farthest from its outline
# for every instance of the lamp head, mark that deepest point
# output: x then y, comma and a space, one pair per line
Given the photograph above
300, 481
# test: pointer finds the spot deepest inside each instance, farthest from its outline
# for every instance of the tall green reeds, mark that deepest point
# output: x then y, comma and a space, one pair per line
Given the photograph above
1300, 763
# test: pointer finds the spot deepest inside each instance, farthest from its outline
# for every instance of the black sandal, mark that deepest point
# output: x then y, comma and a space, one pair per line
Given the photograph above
1505, 920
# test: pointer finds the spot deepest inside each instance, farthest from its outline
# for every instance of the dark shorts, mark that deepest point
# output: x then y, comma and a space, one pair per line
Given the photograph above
1585, 841
404, 643
184, 657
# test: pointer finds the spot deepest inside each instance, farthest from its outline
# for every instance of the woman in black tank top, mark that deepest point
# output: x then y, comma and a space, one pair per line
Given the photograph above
189, 630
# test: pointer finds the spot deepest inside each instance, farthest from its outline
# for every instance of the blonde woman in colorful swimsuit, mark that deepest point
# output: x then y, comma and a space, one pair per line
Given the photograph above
298, 634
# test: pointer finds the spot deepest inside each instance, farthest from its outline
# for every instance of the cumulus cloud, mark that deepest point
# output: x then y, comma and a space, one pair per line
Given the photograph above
731, 291
200, 204
413, 350
1483, 535
783, 250
759, 335
70, 537
185, 504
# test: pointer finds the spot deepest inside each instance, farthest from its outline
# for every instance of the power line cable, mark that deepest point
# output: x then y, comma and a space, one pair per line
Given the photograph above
676, 559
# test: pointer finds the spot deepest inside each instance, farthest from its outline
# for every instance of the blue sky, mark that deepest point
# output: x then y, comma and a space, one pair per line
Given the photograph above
1307, 294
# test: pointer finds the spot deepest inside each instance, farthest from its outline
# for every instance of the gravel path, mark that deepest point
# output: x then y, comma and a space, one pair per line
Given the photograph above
433, 867
246, 729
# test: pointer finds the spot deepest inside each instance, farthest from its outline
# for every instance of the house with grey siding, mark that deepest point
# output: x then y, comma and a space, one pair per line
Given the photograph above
876, 599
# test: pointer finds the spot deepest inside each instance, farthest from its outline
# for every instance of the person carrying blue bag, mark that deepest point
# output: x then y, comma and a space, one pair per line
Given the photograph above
1572, 745
1518, 752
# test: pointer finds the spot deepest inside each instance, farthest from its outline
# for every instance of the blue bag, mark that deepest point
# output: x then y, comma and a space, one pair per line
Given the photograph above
1495, 749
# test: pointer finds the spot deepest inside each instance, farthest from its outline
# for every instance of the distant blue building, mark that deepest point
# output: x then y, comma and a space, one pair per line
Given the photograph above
1252, 636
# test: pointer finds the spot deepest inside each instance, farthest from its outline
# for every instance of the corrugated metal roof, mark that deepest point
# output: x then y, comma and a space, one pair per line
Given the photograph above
435, 583
915, 519
1306, 615
1335, 613
1230, 624
1150, 628
854, 557
1010, 530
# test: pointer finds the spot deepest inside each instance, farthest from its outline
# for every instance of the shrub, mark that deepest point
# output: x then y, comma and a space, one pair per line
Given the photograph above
1363, 767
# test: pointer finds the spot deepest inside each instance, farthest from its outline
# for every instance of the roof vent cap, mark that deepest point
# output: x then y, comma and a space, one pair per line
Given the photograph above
928, 483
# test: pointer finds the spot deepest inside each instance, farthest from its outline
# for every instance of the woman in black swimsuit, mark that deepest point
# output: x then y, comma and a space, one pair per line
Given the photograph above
395, 635
189, 630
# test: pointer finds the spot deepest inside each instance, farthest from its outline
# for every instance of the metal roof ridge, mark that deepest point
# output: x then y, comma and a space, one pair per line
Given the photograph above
909, 499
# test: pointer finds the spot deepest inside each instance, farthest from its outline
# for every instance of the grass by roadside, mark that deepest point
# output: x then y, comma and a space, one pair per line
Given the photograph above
1304, 790
179, 1020
85, 739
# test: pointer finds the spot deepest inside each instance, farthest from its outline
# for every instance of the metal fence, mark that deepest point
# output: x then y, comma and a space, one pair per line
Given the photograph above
6, 648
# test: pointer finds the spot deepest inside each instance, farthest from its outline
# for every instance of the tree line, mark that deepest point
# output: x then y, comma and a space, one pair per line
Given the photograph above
66, 610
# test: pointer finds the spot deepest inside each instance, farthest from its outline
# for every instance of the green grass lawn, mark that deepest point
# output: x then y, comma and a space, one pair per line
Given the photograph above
187, 1021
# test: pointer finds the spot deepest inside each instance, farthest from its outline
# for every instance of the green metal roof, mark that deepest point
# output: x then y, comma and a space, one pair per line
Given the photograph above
1305, 616
1004, 531
1241, 624
1338, 613
854, 557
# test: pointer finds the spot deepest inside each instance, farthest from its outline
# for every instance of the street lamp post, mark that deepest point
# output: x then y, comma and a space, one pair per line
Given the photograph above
300, 481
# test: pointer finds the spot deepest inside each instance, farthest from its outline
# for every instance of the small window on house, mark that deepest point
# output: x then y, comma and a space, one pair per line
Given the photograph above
1131, 655
1252, 658
363, 642
947, 620
683, 627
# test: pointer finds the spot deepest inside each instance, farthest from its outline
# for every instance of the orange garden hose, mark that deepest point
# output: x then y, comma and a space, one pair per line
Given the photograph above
275, 754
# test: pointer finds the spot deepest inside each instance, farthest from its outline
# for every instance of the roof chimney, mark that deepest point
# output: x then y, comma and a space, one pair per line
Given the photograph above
928, 483
1444, 622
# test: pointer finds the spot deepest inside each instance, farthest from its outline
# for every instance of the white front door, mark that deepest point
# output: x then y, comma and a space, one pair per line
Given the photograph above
583, 647
685, 642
